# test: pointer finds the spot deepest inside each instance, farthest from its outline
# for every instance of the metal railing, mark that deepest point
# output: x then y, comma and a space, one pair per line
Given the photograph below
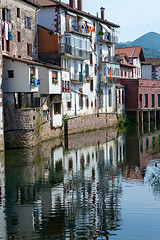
80, 77
111, 59
109, 38
78, 52
109, 80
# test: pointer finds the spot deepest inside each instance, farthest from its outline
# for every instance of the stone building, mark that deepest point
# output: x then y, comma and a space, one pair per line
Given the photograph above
19, 19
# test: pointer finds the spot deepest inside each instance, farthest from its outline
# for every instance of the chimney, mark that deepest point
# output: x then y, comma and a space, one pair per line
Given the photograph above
79, 5
72, 3
102, 12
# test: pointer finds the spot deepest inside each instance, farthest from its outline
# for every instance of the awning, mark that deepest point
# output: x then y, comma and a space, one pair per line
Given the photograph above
107, 28
72, 14
89, 22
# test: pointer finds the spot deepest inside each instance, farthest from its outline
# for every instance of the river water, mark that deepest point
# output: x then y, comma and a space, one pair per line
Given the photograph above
97, 185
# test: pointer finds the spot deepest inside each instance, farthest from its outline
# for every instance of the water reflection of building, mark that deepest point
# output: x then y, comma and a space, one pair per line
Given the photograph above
3, 234
140, 150
70, 192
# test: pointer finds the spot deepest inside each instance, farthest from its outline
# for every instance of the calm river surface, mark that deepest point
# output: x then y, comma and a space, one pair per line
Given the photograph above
98, 185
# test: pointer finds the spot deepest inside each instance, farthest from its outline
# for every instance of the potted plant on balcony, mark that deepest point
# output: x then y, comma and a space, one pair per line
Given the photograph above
54, 81
101, 33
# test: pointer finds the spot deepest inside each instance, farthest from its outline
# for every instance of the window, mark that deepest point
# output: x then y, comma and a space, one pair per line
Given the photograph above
7, 46
158, 100
81, 99
119, 95
18, 12
69, 105
95, 69
91, 85
95, 102
91, 104
110, 97
18, 36
87, 102
146, 100
123, 96
57, 108
6, 15
29, 49
87, 70
140, 100
10, 73
27, 22
32, 72
152, 100
54, 77
91, 58
2, 43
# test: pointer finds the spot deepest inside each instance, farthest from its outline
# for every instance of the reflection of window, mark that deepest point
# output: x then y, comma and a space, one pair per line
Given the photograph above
111, 154
54, 77
110, 98
88, 158
146, 144
10, 73
57, 108
82, 161
70, 163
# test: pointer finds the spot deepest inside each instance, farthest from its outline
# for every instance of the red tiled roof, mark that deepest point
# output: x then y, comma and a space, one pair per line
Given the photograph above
131, 52
51, 3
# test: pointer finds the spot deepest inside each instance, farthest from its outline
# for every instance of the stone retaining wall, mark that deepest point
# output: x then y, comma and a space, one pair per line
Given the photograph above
20, 124
91, 122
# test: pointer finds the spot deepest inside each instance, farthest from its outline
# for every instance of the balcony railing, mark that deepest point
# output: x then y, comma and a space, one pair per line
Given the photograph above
74, 51
109, 38
111, 59
79, 77
109, 80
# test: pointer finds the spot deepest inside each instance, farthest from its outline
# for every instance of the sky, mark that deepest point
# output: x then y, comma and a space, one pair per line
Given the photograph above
135, 18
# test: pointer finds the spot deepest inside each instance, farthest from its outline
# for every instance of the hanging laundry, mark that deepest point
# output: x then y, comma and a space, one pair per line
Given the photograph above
92, 29
86, 28
35, 83
89, 29
38, 82
9, 35
6, 30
